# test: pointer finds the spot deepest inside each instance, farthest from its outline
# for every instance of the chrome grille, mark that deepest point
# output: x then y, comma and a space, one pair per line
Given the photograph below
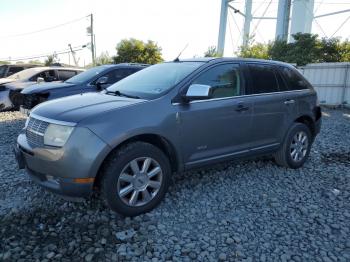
35, 131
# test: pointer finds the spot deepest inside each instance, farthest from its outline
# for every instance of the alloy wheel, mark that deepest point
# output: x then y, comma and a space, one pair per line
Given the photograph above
299, 146
140, 181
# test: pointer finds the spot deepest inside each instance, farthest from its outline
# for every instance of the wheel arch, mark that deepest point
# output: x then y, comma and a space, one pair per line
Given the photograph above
155, 139
309, 122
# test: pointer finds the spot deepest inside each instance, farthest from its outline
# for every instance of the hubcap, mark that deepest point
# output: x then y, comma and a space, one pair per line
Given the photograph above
299, 146
140, 181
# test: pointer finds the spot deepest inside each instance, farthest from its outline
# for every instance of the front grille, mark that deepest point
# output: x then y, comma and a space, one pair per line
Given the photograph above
35, 132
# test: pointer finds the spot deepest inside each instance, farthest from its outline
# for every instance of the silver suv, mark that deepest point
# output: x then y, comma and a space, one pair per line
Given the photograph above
128, 140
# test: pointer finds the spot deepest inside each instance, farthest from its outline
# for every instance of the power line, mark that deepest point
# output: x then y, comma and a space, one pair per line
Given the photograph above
45, 29
336, 31
239, 30
64, 51
264, 13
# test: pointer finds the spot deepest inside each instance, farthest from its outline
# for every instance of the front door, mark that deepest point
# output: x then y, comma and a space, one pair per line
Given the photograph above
216, 128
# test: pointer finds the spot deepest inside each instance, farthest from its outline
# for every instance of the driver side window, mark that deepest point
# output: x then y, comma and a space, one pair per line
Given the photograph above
224, 80
48, 76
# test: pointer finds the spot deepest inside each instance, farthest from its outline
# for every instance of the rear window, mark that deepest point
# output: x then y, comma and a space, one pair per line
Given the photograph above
263, 79
294, 80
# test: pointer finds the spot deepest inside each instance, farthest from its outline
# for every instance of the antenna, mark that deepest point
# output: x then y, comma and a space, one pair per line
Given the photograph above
177, 58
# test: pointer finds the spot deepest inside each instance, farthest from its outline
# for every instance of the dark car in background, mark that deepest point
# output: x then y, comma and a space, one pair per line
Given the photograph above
92, 80
10, 87
7, 70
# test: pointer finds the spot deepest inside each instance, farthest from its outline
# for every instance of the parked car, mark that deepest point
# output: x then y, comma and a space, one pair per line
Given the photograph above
7, 70
11, 86
92, 80
130, 138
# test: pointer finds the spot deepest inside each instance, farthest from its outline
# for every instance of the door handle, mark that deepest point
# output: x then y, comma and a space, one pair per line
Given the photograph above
241, 108
289, 102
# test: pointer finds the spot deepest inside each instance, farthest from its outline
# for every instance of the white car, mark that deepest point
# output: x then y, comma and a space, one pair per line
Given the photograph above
11, 86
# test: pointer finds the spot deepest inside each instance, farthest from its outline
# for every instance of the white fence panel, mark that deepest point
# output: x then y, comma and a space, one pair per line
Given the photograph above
331, 81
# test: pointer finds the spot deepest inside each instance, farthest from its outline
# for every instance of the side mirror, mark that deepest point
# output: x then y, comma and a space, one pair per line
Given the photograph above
198, 92
101, 81
40, 80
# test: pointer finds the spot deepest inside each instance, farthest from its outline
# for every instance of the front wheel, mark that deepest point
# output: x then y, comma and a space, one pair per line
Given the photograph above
136, 178
295, 148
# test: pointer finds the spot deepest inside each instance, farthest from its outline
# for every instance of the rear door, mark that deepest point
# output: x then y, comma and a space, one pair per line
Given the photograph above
273, 106
216, 128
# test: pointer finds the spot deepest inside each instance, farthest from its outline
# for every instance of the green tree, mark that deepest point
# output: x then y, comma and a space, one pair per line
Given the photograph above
212, 52
136, 51
344, 49
4, 62
51, 59
258, 50
305, 49
104, 59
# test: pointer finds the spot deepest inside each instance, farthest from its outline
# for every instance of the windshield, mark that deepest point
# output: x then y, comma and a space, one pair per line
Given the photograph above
155, 80
86, 76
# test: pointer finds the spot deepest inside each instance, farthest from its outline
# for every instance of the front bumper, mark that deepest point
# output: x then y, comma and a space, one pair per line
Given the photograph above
59, 169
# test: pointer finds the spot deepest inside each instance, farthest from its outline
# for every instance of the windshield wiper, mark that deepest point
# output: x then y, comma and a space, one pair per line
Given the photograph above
118, 93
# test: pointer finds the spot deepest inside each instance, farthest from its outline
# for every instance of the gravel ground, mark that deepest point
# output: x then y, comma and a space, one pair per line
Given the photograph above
247, 211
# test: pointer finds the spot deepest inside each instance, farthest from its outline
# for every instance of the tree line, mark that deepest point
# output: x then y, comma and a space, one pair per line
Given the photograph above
304, 49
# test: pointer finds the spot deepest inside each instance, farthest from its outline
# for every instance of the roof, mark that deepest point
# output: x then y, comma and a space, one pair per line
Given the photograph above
40, 68
126, 64
234, 59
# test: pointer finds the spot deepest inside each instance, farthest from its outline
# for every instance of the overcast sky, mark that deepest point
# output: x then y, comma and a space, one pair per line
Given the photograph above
170, 23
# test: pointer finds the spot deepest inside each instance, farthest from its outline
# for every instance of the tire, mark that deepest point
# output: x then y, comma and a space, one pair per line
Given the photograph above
127, 194
285, 157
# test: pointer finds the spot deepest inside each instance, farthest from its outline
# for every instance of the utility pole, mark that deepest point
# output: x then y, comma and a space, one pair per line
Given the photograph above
92, 39
282, 25
222, 27
302, 16
73, 55
247, 20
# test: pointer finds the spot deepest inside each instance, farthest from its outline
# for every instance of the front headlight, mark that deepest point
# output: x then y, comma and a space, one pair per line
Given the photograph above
57, 135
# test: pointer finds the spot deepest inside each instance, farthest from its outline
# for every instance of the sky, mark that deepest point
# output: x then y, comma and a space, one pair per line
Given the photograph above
172, 24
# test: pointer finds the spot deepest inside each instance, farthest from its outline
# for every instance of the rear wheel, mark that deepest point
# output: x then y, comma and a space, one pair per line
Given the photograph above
136, 178
295, 148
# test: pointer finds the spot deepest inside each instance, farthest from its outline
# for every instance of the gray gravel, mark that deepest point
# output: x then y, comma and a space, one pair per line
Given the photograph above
247, 211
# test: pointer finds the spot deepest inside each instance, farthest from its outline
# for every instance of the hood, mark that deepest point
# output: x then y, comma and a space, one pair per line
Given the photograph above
16, 85
6, 80
43, 87
78, 107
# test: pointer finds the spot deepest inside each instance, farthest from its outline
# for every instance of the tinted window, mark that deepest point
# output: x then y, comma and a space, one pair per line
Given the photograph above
295, 82
66, 74
263, 79
14, 69
224, 80
119, 74
48, 76
2, 71
87, 75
